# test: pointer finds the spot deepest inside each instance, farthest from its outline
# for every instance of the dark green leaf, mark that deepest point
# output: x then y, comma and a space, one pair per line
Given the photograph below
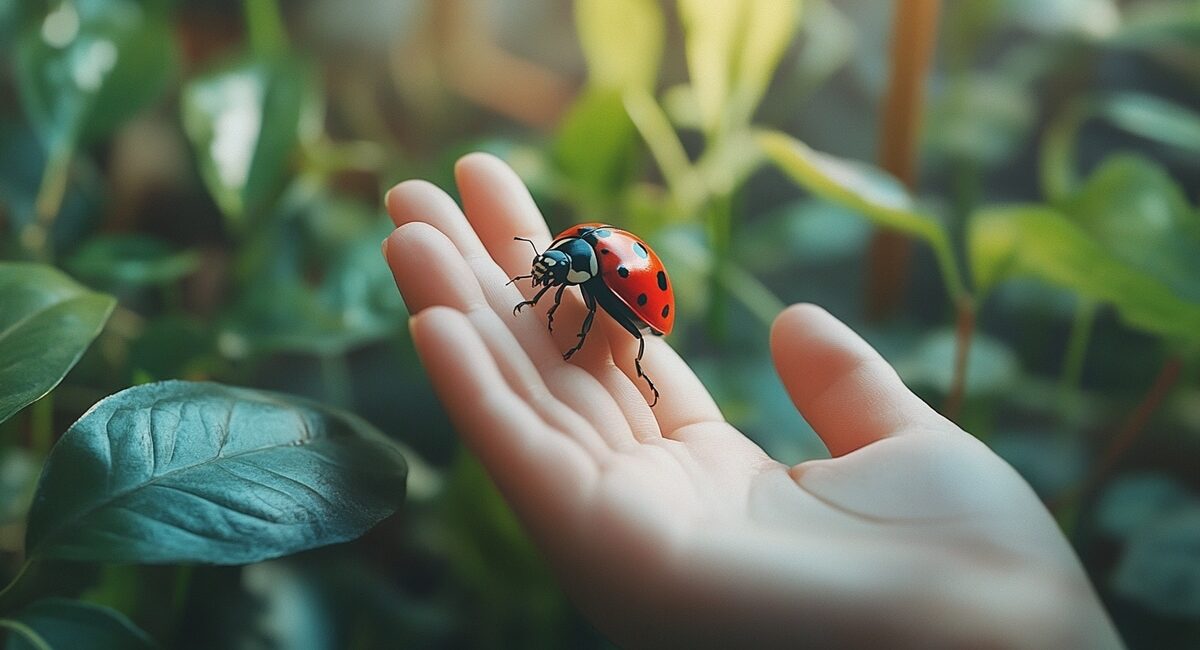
803, 233
19, 469
244, 123
1160, 568
89, 65
47, 320
1035, 241
59, 623
194, 472
1133, 502
1051, 462
323, 288
991, 365
131, 260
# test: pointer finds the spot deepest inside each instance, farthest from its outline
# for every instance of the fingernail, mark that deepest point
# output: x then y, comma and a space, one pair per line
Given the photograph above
383, 249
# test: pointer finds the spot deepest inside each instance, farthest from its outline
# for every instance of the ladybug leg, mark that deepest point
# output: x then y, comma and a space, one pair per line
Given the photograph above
637, 363
590, 301
517, 309
557, 302
633, 329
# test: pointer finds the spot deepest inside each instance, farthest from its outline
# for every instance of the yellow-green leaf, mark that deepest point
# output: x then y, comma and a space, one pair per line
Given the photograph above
733, 47
621, 40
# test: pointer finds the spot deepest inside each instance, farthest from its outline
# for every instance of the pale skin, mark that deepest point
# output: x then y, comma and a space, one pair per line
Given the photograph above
667, 526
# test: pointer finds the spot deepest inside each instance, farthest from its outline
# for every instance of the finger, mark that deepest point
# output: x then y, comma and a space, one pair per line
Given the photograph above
499, 207
429, 272
848, 393
419, 201
543, 475
683, 400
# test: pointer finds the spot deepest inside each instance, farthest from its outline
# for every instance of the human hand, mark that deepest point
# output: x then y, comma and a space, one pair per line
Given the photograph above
667, 525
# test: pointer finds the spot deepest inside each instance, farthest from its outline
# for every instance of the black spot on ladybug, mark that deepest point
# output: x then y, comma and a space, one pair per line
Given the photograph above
622, 271
640, 250
642, 299
602, 233
662, 280
666, 310
605, 251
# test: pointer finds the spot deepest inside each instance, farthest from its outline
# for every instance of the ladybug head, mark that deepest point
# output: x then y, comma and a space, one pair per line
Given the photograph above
551, 267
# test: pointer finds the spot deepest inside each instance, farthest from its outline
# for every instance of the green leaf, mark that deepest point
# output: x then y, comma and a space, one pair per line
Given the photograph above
1091, 17
322, 288
63, 623
986, 121
597, 144
89, 65
244, 124
733, 47
1134, 209
1144, 115
1036, 241
1159, 25
131, 260
621, 40
861, 187
1160, 568
47, 320
178, 472
864, 189
1154, 118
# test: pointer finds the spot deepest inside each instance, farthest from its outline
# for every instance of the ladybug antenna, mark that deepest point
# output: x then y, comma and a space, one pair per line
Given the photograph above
535, 250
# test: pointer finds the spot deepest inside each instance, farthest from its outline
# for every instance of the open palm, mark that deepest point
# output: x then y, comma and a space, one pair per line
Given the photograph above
667, 525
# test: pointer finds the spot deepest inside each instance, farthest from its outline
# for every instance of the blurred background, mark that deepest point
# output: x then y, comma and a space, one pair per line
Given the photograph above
219, 167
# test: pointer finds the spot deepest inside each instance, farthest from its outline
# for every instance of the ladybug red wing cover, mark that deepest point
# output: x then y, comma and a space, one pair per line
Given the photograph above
637, 277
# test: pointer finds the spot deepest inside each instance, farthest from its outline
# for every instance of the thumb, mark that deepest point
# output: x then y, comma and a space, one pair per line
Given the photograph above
848, 393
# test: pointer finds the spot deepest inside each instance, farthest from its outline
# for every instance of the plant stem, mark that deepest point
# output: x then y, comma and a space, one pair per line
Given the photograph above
914, 34
1077, 343
964, 331
668, 152
720, 234
38, 236
265, 24
1067, 505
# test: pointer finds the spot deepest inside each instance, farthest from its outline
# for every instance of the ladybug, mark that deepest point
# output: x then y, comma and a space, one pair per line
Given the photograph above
615, 270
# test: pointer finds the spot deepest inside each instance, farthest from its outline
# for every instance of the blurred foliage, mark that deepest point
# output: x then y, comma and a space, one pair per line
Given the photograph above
192, 190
